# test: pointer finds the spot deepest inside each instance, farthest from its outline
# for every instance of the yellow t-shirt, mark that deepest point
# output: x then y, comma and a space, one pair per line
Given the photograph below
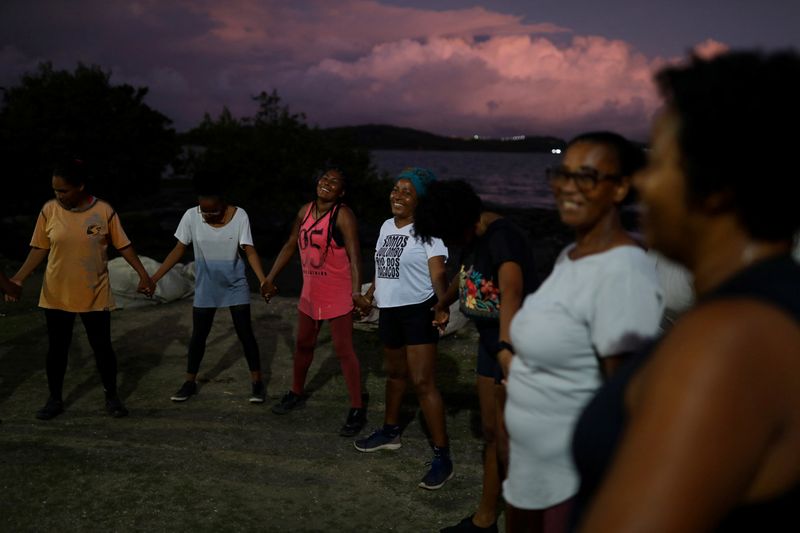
76, 278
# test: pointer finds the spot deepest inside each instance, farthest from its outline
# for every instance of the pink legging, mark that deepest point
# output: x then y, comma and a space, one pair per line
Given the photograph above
342, 334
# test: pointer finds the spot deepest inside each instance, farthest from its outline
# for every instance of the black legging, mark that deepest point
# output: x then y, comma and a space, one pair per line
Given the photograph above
59, 333
203, 318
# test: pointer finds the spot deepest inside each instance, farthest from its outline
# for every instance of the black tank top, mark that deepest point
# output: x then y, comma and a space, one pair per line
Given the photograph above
774, 281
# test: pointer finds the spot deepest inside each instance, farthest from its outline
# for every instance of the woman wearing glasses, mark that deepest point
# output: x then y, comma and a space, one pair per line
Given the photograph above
601, 302
217, 231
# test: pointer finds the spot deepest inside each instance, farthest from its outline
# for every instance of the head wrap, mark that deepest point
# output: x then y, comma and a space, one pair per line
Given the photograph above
419, 177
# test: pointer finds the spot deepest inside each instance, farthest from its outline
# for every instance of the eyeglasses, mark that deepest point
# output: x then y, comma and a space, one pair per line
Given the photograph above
585, 179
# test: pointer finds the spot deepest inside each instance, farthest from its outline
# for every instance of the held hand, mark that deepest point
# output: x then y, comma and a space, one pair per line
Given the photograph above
268, 290
146, 286
362, 304
14, 290
441, 317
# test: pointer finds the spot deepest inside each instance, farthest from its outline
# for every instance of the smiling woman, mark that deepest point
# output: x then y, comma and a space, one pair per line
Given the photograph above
326, 234
601, 302
701, 431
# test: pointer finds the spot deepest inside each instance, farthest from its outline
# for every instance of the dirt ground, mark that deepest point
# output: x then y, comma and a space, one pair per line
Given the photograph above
217, 462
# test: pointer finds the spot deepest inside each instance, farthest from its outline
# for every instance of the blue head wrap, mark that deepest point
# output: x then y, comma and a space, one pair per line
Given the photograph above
419, 177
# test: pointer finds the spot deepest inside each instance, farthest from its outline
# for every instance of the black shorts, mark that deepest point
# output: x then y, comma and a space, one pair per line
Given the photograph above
487, 364
408, 325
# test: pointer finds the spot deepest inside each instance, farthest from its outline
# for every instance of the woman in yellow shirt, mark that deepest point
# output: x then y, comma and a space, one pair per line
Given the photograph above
73, 232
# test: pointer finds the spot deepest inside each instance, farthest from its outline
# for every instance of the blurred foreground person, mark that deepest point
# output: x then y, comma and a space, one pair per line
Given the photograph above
702, 431
601, 303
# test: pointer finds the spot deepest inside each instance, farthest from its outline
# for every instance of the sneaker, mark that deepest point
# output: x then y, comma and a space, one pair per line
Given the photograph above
289, 402
468, 526
51, 409
187, 390
115, 408
258, 393
440, 472
380, 439
356, 419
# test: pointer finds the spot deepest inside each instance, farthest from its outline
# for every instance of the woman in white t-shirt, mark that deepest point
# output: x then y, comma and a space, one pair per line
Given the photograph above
409, 276
601, 302
216, 232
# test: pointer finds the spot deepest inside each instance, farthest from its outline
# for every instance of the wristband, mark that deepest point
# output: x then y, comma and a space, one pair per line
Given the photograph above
503, 345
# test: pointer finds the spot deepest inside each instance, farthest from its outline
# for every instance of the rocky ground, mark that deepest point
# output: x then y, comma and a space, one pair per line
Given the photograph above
218, 462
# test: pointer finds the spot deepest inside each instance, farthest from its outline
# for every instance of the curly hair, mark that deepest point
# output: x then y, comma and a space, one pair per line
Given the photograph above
447, 211
739, 118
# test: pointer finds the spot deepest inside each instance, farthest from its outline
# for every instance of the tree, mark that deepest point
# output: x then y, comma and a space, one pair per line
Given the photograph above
55, 113
271, 160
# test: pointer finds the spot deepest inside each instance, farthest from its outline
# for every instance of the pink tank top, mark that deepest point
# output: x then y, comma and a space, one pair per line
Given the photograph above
327, 281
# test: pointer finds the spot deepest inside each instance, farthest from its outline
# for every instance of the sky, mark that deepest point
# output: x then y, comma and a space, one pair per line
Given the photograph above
453, 67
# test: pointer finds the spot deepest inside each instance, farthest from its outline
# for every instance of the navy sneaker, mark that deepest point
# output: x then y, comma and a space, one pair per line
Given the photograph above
380, 439
289, 402
51, 409
187, 390
440, 472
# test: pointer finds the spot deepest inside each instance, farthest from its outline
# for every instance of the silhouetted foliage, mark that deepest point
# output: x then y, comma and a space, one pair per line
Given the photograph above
56, 113
271, 162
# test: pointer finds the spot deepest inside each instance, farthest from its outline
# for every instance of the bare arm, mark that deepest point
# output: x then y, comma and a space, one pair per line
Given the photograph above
8, 287
285, 255
346, 222
170, 261
255, 263
713, 423
146, 285
436, 266
510, 283
441, 311
35, 258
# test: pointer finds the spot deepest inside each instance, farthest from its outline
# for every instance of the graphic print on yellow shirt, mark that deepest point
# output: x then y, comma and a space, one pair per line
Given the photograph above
76, 278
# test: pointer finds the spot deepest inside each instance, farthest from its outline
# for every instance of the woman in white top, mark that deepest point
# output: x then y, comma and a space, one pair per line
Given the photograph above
216, 231
601, 302
409, 279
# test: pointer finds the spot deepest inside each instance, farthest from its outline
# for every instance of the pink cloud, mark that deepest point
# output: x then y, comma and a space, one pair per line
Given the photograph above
454, 71
710, 48
522, 82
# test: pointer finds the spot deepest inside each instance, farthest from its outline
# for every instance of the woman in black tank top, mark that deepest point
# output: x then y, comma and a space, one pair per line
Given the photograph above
702, 431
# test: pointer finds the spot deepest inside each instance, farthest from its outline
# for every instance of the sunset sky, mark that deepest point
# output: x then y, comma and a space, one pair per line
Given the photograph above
453, 67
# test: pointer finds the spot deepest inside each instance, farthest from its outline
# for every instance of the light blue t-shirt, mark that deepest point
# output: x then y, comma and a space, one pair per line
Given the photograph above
219, 269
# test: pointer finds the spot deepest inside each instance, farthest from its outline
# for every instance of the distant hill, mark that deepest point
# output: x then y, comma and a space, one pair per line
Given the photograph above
385, 137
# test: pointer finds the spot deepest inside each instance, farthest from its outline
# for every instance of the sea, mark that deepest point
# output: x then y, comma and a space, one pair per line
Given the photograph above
500, 178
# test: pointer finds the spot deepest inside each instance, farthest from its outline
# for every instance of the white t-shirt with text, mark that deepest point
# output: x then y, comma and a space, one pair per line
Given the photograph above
402, 276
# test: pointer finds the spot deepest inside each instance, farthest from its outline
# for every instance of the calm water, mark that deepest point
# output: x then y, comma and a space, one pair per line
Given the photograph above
509, 179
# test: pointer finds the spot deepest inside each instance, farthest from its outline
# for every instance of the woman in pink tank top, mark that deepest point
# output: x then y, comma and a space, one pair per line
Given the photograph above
325, 232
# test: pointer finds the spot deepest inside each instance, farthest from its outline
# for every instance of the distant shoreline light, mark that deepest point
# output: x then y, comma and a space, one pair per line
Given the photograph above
478, 137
